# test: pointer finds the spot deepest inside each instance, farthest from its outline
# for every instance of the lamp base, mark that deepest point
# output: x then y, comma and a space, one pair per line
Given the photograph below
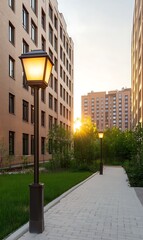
36, 221
101, 168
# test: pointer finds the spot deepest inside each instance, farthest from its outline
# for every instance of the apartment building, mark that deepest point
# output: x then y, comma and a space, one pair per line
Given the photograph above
137, 64
28, 25
107, 110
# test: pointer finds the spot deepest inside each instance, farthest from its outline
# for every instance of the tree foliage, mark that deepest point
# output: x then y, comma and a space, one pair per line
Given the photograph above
85, 147
117, 145
59, 144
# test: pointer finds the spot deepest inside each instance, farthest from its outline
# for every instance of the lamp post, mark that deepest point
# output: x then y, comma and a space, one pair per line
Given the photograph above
37, 68
100, 135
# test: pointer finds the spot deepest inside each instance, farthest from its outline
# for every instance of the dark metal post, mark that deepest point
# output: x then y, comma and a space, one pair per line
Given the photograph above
36, 135
101, 162
36, 222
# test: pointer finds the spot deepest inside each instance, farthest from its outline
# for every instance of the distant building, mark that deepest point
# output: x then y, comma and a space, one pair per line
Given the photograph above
137, 64
108, 109
27, 25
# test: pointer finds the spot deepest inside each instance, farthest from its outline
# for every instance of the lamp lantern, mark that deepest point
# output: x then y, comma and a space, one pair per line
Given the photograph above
100, 134
37, 68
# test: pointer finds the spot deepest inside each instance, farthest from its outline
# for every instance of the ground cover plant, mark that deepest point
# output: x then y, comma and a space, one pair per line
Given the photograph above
14, 195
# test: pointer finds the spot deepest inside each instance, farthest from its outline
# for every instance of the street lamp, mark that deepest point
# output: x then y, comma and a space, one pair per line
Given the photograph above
37, 68
100, 135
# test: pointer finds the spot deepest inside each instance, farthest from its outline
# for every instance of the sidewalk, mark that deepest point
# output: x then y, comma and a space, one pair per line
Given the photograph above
103, 208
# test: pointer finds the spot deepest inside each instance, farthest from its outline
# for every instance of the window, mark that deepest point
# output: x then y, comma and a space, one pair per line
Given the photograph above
25, 110
50, 34
67, 81
70, 116
55, 43
67, 97
42, 145
61, 109
64, 111
50, 146
70, 53
11, 33
64, 94
32, 144
50, 122
32, 114
50, 101
25, 84
11, 103
33, 32
34, 6
69, 69
25, 141
55, 85
64, 58
61, 32
11, 142
67, 47
61, 71
43, 95
11, 4
67, 65
64, 40
43, 118
70, 101
25, 47
55, 64
61, 91
67, 114
25, 19
70, 85
55, 121
51, 81
61, 53
51, 13
43, 19
55, 104
11, 67
55, 22
50, 54
43, 43
64, 76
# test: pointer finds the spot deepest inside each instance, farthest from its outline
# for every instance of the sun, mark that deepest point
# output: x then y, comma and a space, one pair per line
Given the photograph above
77, 124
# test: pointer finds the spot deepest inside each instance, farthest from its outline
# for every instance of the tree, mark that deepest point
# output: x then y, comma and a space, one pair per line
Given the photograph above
138, 144
118, 145
85, 149
60, 146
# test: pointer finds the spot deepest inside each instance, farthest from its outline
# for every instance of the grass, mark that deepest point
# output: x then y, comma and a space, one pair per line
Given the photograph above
14, 195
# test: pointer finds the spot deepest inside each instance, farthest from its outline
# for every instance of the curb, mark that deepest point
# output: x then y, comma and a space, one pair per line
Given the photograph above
22, 230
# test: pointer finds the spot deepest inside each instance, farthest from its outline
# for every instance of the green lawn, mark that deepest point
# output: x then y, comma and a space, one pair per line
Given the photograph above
14, 195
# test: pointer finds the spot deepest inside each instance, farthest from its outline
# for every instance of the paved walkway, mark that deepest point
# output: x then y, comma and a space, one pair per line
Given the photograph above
103, 208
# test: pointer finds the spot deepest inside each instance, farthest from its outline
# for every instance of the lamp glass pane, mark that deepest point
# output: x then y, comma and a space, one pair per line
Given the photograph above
100, 135
48, 71
34, 68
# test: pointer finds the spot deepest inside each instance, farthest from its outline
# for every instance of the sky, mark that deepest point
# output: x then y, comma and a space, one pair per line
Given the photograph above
101, 31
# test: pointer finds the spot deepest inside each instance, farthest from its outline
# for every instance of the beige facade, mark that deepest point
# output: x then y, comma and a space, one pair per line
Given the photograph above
108, 109
137, 64
27, 25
